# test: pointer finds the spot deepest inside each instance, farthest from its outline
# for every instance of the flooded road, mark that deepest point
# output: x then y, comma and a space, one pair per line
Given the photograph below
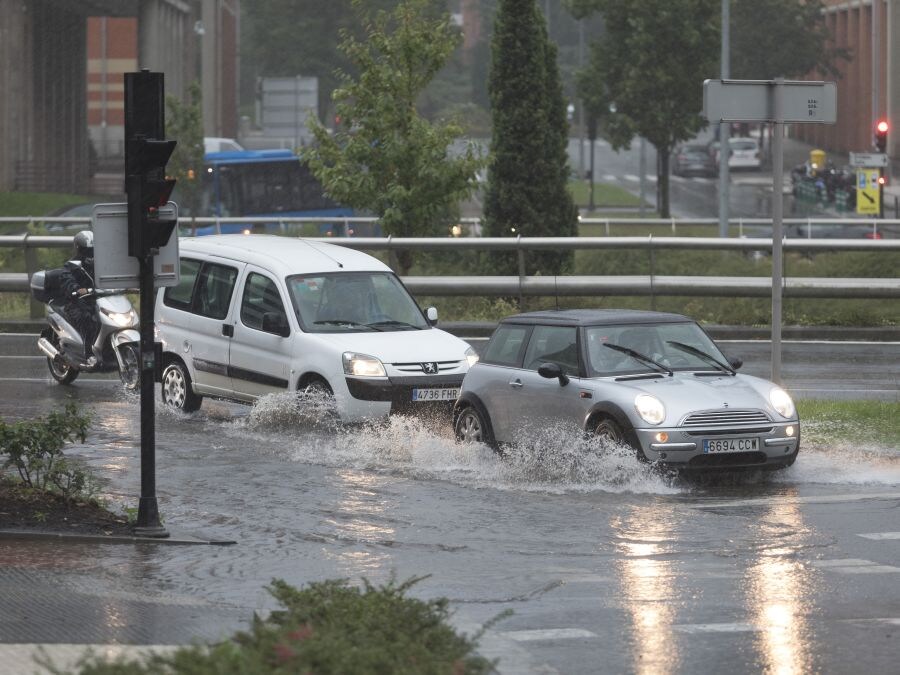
606, 564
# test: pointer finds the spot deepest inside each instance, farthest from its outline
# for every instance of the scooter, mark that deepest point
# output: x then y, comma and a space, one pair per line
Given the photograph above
116, 346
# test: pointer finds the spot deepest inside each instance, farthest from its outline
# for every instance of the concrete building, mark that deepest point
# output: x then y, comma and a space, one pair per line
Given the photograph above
869, 86
61, 85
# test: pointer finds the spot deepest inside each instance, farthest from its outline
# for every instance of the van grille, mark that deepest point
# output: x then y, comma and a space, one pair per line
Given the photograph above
442, 366
726, 418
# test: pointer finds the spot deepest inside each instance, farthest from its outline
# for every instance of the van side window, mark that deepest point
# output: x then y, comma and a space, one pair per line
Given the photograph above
505, 347
179, 296
260, 297
215, 284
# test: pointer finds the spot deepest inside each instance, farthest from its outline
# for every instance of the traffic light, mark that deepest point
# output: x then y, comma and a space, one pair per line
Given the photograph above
881, 132
146, 155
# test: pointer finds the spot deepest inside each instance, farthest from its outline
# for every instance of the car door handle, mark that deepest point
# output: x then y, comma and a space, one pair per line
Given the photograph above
517, 384
227, 330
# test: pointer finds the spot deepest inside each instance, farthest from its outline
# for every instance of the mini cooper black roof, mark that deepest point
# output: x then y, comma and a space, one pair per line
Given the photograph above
595, 317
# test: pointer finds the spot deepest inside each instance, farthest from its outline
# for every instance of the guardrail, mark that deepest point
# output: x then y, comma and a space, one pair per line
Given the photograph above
534, 286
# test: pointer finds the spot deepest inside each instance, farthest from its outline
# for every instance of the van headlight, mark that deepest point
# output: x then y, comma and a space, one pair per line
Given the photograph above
782, 403
650, 408
362, 365
471, 357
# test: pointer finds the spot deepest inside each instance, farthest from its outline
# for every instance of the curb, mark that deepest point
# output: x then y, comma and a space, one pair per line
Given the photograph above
70, 537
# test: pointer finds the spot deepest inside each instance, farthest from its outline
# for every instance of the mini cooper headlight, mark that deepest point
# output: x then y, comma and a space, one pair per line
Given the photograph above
362, 365
650, 408
471, 357
782, 403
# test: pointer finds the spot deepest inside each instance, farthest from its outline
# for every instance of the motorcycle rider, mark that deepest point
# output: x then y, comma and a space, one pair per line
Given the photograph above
76, 281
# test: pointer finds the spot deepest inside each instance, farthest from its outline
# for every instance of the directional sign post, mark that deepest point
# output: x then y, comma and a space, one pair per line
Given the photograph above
868, 192
777, 101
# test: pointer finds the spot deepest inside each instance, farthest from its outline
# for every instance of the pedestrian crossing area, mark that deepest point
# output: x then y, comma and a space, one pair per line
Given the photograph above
651, 178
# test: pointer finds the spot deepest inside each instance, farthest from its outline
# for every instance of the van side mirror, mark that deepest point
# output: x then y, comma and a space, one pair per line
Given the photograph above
735, 362
432, 315
553, 370
276, 323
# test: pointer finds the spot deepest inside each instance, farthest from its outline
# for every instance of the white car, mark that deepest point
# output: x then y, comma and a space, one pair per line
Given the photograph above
255, 314
745, 153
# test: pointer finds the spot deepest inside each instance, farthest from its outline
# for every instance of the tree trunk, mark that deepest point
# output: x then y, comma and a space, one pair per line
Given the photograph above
662, 180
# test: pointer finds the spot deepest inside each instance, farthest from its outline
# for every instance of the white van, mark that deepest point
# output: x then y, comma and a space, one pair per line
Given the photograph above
255, 314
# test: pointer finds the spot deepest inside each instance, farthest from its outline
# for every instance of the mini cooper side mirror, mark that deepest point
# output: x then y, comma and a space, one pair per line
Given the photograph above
553, 370
275, 323
432, 315
735, 362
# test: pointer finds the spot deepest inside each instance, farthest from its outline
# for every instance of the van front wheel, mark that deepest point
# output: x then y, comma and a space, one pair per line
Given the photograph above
177, 389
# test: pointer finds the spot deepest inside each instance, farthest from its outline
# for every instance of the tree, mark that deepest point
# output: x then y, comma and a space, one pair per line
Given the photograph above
301, 37
184, 123
796, 40
653, 60
526, 189
385, 157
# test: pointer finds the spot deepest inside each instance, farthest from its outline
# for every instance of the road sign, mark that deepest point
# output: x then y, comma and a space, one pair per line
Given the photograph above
113, 267
754, 101
868, 159
868, 197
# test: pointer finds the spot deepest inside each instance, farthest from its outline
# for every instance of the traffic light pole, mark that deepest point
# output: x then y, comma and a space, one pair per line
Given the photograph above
148, 522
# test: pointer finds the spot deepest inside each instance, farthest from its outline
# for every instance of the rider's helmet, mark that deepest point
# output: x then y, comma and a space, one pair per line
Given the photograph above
84, 249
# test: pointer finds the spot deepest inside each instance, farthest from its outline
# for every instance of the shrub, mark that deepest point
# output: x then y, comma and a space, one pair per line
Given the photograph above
327, 627
34, 449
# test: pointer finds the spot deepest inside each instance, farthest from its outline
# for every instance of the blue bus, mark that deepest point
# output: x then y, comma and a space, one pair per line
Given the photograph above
265, 183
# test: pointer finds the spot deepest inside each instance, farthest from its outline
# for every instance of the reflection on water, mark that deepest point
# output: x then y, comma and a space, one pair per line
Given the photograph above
779, 594
648, 587
359, 523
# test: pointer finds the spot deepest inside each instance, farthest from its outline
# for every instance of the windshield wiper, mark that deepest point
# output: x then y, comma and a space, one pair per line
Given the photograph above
344, 322
712, 360
640, 357
393, 322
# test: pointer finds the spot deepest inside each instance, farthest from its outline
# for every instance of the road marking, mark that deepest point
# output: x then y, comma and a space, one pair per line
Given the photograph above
631, 177
652, 178
855, 566
716, 628
880, 536
610, 177
888, 621
701, 179
813, 499
677, 179
548, 634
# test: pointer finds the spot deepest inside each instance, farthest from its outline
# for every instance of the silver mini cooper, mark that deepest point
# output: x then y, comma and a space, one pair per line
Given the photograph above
653, 381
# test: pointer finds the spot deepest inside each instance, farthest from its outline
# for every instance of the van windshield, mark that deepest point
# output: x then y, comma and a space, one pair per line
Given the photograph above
346, 302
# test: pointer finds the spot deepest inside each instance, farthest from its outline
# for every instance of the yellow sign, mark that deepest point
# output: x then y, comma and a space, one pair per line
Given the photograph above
868, 190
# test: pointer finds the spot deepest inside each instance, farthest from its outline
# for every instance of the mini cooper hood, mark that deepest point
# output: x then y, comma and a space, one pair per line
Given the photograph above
685, 393
402, 346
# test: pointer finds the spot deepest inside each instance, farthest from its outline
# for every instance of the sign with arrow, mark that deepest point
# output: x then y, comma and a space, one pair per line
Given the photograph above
868, 190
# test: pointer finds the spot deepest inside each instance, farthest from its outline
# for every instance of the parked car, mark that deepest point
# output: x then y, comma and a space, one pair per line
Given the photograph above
255, 314
649, 380
693, 160
744, 153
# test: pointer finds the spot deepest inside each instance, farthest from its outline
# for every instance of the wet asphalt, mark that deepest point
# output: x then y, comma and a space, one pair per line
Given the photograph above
606, 565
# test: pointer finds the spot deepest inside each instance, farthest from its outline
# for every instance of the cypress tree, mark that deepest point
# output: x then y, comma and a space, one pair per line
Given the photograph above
526, 192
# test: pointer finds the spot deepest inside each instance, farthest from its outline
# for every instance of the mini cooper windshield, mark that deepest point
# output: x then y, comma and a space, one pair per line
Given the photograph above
344, 302
628, 349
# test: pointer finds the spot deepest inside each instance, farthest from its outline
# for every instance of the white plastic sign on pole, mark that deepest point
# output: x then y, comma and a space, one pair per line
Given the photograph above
754, 101
113, 267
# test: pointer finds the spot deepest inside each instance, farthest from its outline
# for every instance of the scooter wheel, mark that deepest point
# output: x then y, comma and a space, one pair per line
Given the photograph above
62, 373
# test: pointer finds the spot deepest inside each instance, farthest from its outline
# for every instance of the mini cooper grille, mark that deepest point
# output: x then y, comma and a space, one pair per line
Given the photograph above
442, 367
726, 418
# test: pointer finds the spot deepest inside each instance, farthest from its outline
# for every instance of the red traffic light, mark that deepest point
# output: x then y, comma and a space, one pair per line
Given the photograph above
882, 127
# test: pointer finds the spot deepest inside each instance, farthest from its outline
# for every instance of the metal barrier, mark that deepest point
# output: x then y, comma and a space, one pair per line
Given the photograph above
549, 286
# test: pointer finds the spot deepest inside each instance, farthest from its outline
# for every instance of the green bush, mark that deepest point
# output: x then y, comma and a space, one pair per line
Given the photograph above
324, 628
34, 448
